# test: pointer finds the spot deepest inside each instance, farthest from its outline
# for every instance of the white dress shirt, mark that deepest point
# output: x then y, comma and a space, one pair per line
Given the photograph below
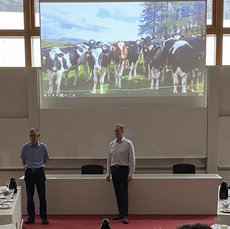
121, 153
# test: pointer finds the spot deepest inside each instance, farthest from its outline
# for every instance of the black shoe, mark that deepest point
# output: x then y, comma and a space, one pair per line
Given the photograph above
117, 217
125, 220
45, 221
29, 221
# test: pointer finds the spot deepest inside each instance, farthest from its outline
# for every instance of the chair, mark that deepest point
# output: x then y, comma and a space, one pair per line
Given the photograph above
184, 168
92, 169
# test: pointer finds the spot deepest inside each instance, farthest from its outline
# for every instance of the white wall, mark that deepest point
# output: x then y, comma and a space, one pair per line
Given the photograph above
219, 120
19, 106
14, 92
185, 134
224, 124
156, 132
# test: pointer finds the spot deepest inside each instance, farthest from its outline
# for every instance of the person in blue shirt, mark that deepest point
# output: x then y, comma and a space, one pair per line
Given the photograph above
34, 155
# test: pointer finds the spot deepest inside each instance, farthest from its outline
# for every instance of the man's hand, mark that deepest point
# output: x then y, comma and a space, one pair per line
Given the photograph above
130, 178
108, 178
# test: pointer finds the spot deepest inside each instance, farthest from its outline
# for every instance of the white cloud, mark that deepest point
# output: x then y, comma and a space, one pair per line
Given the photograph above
115, 21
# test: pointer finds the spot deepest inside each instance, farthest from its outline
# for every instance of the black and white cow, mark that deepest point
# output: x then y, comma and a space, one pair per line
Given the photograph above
152, 62
167, 45
156, 67
148, 48
101, 55
75, 56
134, 52
197, 75
58, 61
54, 65
183, 58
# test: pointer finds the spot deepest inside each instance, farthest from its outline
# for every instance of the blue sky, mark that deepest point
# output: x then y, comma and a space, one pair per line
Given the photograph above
106, 22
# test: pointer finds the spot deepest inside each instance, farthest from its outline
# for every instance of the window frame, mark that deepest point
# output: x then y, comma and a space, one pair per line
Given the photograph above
217, 28
30, 30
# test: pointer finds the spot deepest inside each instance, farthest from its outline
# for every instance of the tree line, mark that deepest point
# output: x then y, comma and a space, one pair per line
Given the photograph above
172, 18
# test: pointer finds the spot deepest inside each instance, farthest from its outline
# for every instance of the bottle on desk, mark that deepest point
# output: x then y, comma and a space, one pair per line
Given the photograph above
223, 193
13, 184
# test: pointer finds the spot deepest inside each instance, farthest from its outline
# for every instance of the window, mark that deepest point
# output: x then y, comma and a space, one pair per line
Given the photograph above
35, 51
226, 49
11, 14
226, 21
209, 12
12, 52
17, 32
19, 24
36, 11
210, 49
218, 32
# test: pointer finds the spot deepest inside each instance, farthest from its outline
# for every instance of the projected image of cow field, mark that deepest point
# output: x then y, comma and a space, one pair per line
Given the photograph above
106, 49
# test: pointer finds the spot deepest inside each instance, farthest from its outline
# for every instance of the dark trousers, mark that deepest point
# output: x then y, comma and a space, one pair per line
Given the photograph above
120, 184
35, 178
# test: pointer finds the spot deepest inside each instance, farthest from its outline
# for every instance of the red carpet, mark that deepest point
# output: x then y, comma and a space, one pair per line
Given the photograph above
135, 222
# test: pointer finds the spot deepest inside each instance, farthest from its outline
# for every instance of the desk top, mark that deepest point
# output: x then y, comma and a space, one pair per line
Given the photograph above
9, 212
135, 176
222, 218
8, 226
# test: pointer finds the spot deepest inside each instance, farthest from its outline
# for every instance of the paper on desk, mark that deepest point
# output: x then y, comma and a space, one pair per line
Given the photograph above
220, 226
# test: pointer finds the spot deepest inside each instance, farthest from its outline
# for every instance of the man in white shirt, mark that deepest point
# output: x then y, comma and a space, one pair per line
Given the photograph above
121, 166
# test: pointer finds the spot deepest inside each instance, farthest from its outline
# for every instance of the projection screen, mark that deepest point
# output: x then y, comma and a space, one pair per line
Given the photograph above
103, 54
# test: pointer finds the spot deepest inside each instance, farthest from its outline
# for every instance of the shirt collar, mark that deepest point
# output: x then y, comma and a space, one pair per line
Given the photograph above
123, 138
36, 145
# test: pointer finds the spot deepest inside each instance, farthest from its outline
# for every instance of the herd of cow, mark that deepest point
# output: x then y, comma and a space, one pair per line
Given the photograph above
183, 57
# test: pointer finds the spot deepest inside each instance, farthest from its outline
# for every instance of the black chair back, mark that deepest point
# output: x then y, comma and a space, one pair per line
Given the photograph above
184, 168
92, 169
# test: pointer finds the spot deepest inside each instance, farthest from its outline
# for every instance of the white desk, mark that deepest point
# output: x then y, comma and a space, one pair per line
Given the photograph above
13, 216
148, 194
8, 226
